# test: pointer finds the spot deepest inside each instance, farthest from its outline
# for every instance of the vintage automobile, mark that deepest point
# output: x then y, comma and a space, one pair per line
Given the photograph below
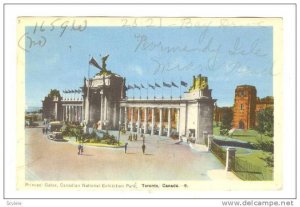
54, 130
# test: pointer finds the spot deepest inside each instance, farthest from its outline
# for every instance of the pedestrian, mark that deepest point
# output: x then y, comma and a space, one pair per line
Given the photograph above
143, 148
125, 147
79, 149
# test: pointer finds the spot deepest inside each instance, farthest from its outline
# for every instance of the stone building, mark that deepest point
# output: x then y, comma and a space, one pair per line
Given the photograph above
189, 116
263, 103
244, 107
106, 106
52, 107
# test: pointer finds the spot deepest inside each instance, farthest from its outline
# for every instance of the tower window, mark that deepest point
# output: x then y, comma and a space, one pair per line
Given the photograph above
242, 106
242, 93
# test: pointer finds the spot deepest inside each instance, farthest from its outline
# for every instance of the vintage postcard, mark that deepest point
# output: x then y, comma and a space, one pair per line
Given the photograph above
149, 104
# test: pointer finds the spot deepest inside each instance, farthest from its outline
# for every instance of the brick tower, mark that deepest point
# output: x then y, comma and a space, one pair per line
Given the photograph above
244, 107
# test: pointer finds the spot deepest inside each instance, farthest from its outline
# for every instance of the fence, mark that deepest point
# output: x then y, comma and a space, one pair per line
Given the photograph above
219, 152
248, 171
241, 167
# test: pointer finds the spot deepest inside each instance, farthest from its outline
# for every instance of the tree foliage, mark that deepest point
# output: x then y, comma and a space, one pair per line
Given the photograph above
265, 122
226, 123
54, 92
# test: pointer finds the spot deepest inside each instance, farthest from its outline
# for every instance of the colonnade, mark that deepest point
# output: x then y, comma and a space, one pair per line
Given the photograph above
145, 120
72, 113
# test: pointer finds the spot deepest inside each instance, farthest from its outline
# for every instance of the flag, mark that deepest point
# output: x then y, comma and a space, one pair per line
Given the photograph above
166, 85
136, 86
151, 86
142, 86
129, 87
173, 84
157, 85
94, 63
183, 83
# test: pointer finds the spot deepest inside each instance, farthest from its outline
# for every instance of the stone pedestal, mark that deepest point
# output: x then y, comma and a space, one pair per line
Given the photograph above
209, 140
204, 137
230, 158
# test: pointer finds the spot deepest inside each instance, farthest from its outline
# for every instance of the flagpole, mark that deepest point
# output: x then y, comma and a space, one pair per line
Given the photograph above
171, 91
180, 90
162, 89
147, 89
133, 93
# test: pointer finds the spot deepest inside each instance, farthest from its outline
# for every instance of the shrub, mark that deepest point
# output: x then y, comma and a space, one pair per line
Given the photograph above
265, 145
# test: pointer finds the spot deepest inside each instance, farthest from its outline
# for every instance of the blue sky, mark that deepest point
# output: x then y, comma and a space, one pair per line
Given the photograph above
228, 56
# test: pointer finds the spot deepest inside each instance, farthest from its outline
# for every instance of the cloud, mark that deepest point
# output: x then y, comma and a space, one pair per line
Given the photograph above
237, 68
136, 70
52, 60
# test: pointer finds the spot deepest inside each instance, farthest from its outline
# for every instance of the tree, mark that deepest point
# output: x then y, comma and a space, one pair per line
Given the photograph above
226, 123
265, 125
54, 92
265, 122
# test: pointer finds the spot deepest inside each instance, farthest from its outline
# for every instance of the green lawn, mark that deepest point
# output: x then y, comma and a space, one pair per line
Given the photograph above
250, 135
254, 159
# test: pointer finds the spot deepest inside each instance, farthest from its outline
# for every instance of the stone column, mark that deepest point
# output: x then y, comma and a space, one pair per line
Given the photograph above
73, 113
67, 115
125, 118
115, 115
55, 108
169, 122
152, 121
178, 121
87, 108
230, 159
78, 115
105, 109
102, 109
81, 114
160, 121
131, 119
76, 109
138, 120
70, 113
146, 121
63, 112
120, 118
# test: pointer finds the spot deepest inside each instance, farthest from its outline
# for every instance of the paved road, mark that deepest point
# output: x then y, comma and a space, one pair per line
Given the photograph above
164, 160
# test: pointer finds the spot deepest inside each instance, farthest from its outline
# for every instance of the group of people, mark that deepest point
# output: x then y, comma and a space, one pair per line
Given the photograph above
134, 137
45, 130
